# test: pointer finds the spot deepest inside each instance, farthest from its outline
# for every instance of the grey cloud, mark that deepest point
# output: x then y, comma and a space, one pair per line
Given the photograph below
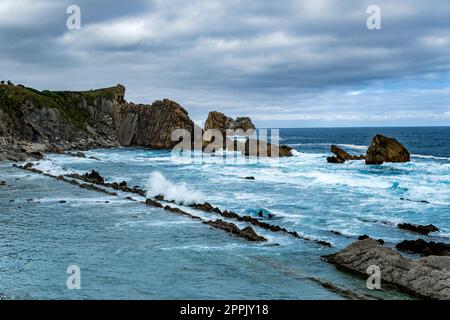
283, 59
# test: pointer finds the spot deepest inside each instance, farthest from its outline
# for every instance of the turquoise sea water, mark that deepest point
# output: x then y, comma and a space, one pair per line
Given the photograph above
128, 250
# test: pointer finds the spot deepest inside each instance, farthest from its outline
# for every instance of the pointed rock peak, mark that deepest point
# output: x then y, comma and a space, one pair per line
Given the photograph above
119, 92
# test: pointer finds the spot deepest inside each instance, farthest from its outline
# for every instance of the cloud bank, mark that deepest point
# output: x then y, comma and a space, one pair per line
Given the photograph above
285, 63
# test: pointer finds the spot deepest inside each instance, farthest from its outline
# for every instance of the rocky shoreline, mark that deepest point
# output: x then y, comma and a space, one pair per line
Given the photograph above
33, 123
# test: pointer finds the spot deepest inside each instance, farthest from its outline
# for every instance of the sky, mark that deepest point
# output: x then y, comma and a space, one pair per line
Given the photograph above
286, 63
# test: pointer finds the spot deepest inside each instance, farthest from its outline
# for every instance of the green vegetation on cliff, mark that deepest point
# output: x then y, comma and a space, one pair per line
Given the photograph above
71, 104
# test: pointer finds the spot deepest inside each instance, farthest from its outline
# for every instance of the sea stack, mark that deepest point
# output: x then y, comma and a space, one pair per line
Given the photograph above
384, 149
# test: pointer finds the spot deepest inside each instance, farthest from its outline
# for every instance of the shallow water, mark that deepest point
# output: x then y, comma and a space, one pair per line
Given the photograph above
128, 250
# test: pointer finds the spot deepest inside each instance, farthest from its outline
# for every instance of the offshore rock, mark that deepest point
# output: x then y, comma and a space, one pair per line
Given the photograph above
384, 149
341, 156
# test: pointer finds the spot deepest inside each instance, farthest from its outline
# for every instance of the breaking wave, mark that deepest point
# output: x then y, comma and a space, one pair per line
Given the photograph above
180, 193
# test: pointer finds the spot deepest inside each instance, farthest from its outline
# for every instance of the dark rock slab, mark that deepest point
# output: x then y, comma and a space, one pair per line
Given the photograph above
421, 229
341, 156
247, 233
425, 248
428, 277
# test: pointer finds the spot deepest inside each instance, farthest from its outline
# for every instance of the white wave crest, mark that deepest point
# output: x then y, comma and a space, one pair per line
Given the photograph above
423, 156
295, 153
180, 193
353, 146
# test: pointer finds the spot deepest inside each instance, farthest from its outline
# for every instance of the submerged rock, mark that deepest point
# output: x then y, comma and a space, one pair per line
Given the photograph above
265, 214
423, 247
425, 230
427, 277
384, 149
78, 154
418, 201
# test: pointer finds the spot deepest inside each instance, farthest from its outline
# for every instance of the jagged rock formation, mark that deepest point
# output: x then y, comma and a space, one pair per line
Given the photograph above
384, 149
342, 156
243, 123
151, 126
428, 277
217, 120
251, 147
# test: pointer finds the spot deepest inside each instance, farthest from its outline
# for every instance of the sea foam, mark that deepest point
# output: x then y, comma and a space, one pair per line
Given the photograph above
179, 192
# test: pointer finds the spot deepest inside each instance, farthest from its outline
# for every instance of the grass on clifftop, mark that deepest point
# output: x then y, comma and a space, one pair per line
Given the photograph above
69, 103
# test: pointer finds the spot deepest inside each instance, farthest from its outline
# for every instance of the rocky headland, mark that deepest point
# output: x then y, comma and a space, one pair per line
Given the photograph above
34, 122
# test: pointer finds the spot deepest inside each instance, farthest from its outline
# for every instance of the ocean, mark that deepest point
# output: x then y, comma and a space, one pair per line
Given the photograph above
126, 250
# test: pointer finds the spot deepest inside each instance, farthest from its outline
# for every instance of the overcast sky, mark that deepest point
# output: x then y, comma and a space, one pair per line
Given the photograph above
285, 63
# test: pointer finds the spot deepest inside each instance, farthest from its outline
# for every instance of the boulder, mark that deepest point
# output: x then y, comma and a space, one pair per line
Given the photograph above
425, 248
365, 236
384, 149
93, 177
428, 277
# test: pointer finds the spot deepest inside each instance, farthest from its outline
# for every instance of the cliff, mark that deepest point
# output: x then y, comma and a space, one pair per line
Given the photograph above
33, 122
